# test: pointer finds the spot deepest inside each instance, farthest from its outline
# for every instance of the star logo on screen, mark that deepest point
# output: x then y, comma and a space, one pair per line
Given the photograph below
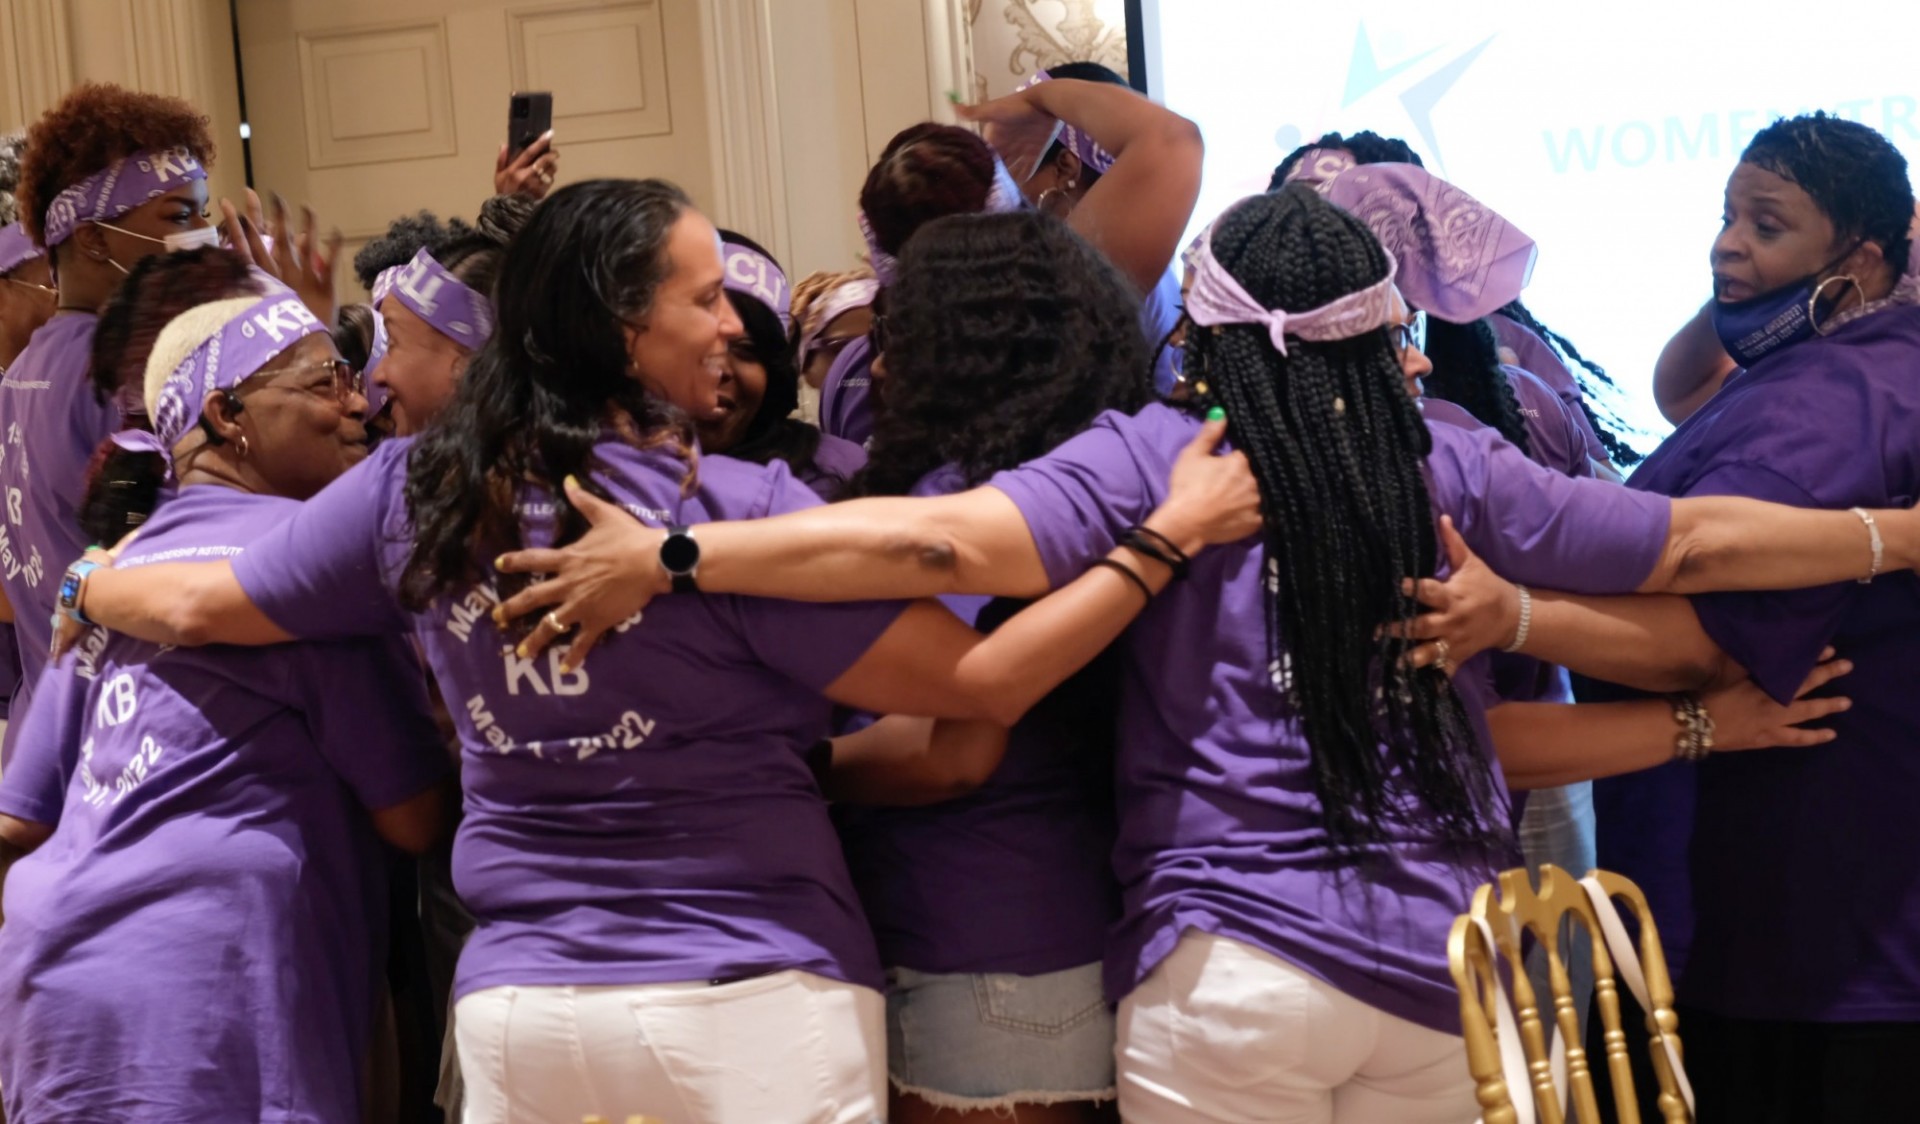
1365, 74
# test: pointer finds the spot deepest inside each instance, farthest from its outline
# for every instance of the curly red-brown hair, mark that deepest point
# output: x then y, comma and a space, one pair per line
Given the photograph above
928, 171
92, 127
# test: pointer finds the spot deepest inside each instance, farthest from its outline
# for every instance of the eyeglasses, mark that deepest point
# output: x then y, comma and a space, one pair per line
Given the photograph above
1411, 335
346, 382
830, 346
48, 289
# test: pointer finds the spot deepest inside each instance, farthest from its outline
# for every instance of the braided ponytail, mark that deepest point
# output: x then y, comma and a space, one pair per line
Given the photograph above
1466, 372
1337, 446
1618, 451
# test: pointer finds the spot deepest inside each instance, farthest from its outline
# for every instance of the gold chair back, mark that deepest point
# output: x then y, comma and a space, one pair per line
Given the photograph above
1486, 972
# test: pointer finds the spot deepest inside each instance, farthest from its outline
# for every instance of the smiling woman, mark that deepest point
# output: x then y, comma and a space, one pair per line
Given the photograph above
191, 788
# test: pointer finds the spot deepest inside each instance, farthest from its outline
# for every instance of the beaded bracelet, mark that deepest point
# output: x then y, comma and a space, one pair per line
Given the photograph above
1695, 739
1526, 620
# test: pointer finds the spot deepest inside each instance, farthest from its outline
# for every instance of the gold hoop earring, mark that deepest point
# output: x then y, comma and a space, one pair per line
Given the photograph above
245, 449
1813, 302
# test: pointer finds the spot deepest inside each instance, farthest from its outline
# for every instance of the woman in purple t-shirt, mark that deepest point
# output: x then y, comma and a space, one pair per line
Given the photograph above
761, 387
666, 924
1286, 903
199, 937
1004, 336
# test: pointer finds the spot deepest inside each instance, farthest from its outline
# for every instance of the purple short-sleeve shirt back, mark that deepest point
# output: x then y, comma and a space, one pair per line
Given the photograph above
1219, 827
649, 817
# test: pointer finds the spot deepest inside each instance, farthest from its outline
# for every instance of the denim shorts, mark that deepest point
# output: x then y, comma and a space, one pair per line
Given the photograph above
993, 1040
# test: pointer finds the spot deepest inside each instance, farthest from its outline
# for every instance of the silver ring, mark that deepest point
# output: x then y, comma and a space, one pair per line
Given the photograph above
1440, 651
553, 622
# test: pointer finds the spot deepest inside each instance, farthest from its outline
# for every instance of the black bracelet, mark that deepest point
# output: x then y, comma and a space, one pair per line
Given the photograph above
1136, 540
1126, 571
1165, 542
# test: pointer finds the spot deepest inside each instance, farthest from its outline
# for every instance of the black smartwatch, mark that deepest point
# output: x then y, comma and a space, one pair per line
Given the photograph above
680, 558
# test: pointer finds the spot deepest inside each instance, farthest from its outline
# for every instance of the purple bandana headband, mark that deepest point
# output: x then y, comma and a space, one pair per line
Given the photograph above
16, 247
753, 274
1319, 166
229, 357
1459, 260
1214, 297
1004, 195
119, 188
377, 350
1092, 156
839, 302
433, 294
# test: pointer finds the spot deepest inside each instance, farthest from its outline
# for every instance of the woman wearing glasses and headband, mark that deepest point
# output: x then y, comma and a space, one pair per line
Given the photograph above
1134, 215
200, 936
1070, 166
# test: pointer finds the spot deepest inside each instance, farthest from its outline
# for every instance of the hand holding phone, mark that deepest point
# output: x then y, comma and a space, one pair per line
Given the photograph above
528, 162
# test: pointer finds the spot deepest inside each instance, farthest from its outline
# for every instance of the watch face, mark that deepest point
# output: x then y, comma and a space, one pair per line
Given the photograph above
69, 589
679, 554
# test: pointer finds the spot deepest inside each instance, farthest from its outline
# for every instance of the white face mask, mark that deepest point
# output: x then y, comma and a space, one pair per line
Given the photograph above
185, 240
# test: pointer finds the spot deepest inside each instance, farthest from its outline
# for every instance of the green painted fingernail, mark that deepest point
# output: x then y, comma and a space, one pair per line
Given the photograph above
1216, 414
953, 96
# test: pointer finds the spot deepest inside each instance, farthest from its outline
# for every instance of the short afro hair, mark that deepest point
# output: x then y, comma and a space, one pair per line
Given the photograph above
1855, 176
92, 127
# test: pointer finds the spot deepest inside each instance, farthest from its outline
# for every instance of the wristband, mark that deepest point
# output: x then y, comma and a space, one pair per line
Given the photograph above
1172, 557
1126, 571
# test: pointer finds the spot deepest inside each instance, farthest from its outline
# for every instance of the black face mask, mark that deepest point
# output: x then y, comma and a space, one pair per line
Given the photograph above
1757, 327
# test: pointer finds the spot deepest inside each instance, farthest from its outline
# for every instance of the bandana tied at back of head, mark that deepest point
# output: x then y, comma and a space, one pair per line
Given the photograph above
1002, 195
858, 293
428, 290
1092, 156
752, 273
118, 188
1215, 297
16, 247
1459, 260
230, 341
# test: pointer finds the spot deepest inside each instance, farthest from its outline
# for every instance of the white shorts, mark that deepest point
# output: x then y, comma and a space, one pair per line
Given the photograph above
1222, 1032
787, 1048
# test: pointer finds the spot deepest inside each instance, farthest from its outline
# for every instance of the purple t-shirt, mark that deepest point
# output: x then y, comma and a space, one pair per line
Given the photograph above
50, 424
1013, 877
1534, 355
1801, 866
651, 816
1555, 442
1219, 827
200, 937
1159, 315
846, 394
834, 463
